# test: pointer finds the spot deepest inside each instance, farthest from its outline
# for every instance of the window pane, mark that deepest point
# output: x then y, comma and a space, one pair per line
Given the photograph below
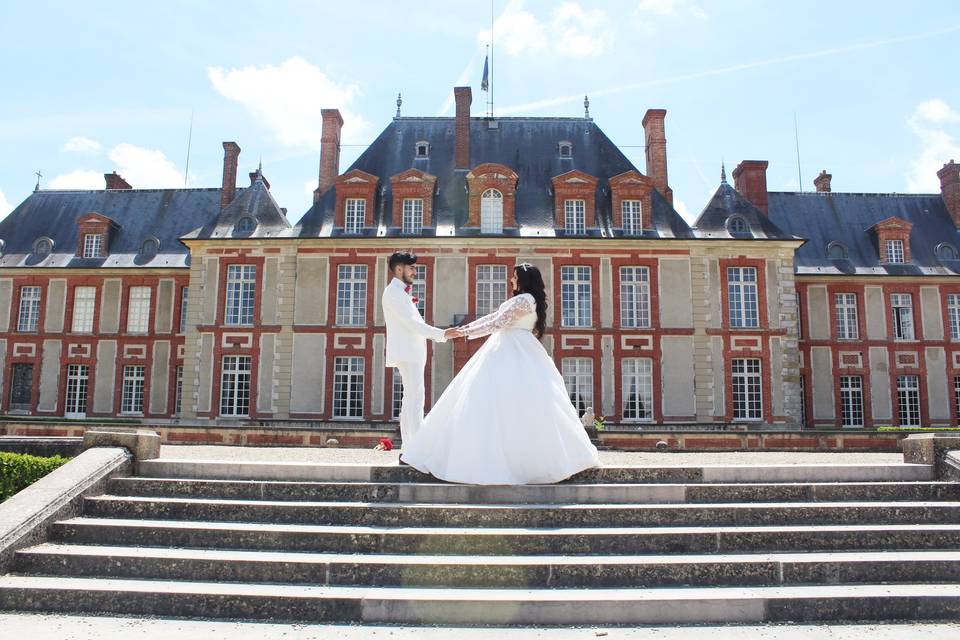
84, 301
28, 318
630, 212
846, 316
241, 291
908, 400
747, 389
348, 375
352, 295
742, 297
637, 388
355, 214
138, 310
578, 378
235, 386
576, 297
851, 401
491, 211
575, 216
635, 297
132, 394
491, 287
412, 215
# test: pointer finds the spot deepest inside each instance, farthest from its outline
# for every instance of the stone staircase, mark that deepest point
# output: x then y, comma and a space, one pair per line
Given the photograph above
385, 544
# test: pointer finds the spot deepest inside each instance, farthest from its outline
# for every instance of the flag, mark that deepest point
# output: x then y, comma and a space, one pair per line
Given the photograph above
485, 83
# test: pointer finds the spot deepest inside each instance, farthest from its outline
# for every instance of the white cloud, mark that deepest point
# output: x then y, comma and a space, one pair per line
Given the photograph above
5, 206
81, 145
145, 168
309, 186
570, 31
670, 8
930, 122
79, 179
580, 33
288, 99
681, 208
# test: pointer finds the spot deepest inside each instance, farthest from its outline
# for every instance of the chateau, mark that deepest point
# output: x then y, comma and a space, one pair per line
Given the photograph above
814, 309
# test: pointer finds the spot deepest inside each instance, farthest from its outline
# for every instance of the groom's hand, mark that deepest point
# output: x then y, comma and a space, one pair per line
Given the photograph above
451, 333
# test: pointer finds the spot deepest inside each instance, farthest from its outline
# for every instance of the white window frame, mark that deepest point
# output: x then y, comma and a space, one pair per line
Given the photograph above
956, 394
491, 211
354, 214
184, 301
178, 391
491, 287
28, 316
845, 314
84, 306
637, 389
576, 296
92, 245
236, 378
901, 306
396, 398
412, 216
635, 297
419, 287
77, 391
803, 401
747, 389
348, 379
953, 315
908, 400
132, 394
241, 295
138, 310
575, 216
743, 297
351, 295
851, 401
894, 251
631, 216
578, 379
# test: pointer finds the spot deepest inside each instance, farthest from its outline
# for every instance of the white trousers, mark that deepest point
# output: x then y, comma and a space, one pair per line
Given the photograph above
411, 406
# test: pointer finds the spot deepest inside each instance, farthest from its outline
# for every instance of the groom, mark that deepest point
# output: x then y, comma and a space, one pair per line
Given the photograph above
406, 339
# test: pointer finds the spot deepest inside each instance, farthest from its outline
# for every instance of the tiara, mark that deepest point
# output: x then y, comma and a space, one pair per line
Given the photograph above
524, 265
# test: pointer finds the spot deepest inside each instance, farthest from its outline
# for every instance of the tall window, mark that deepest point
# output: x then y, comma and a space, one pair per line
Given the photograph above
138, 310
851, 401
630, 212
953, 313
908, 400
635, 296
491, 287
576, 296
178, 392
845, 308
397, 396
92, 243
131, 400
355, 210
956, 394
77, 386
419, 287
348, 387
578, 378
241, 290
491, 211
84, 301
235, 386
747, 390
575, 216
742, 297
803, 401
412, 215
29, 317
352, 295
184, 299
637, 389
902, 304
894, 250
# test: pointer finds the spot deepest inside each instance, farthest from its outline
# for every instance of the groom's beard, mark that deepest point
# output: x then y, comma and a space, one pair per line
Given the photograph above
407, 280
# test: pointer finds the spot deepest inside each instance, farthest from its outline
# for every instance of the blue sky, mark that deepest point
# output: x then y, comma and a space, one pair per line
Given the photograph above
95, 87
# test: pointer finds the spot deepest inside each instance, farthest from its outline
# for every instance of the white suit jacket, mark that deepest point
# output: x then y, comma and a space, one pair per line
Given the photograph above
407, 332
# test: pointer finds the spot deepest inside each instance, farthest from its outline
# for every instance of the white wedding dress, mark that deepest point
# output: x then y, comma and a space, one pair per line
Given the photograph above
506, 417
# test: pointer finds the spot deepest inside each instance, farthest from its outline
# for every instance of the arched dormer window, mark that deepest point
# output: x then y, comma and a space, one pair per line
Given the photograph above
836, 251
738, 226
491, 211
42, 247
149, 247
946, 251
245, 226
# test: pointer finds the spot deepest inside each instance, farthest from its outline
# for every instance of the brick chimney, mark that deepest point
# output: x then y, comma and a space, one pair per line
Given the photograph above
462, 96
231, 152
329, 151
656, 142
116, 181
750, 179
950, 189
822, 182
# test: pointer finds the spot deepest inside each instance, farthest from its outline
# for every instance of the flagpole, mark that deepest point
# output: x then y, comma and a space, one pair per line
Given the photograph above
490, 58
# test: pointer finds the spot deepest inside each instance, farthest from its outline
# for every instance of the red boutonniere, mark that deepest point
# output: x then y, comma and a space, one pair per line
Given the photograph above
415, 299
385, 444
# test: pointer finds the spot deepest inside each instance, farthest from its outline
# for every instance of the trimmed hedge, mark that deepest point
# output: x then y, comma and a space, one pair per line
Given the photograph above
19, 470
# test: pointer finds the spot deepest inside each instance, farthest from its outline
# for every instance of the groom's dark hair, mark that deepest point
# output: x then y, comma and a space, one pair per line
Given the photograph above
401, 257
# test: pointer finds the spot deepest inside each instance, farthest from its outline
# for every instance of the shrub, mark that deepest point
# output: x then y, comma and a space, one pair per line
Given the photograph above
18, 470
918, 429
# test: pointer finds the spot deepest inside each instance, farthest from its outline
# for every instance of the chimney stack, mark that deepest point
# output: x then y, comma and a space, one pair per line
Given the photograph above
462, 96
656, 143
950, 189
822, 182
750, 179
329, 151
116, 181
231, 152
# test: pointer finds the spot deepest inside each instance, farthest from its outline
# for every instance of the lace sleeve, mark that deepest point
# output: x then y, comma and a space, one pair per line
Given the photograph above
506, 315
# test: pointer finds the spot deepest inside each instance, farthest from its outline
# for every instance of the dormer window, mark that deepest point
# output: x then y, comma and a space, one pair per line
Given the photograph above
3, 247
836, 251
565, 149
92, 245
356, 213
894, 251
42, 247
738, 226
245, 226
423, 149
149, 248
631, 212
946, 251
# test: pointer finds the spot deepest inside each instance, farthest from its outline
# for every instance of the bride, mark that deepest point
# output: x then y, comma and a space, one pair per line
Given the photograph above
506, 417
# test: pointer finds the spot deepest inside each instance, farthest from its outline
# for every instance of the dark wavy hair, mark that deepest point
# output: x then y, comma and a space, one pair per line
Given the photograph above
529, 280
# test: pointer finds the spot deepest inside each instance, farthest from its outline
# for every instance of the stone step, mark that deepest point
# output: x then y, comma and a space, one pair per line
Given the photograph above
443, 515
330, 472
504, 541
432, 493
304, 603
556, 572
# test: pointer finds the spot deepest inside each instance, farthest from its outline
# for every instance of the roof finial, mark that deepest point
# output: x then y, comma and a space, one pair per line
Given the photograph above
723, 173
586, 107
260, 165
39, 175
399, 102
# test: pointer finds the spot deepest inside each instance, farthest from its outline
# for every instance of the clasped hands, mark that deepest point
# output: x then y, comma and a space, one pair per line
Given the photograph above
452, 332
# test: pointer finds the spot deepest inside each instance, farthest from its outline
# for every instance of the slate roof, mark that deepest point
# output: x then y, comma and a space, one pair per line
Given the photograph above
847, 218
726, 204
255, 202
166, 214
529, 146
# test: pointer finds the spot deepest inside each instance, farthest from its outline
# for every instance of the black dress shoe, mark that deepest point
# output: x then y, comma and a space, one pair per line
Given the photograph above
401, 463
